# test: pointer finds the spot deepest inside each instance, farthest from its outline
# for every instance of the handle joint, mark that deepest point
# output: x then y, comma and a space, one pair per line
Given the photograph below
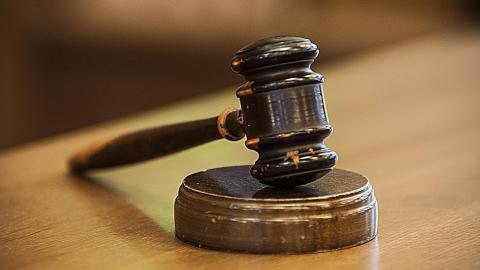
230, 124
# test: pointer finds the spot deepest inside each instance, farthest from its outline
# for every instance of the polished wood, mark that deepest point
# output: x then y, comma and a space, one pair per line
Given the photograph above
284, 112
227, 209
404, 115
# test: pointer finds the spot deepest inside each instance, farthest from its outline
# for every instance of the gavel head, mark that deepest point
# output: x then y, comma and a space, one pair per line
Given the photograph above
283, 108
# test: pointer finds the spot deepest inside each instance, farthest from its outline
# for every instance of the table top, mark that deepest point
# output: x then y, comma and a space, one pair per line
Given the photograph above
406, 116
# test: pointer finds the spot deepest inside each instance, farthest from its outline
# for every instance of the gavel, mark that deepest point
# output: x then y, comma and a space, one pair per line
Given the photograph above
283, 116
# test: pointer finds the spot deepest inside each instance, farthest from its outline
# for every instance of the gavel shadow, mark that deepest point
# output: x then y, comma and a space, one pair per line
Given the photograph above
284, 193
121, 217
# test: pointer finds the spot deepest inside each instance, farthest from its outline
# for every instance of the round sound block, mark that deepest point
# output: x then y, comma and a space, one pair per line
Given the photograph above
228, 209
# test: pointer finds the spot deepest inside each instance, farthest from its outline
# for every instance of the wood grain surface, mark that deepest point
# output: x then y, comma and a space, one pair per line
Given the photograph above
406, 116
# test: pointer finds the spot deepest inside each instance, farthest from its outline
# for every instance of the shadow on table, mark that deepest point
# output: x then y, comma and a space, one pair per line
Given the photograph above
122, 217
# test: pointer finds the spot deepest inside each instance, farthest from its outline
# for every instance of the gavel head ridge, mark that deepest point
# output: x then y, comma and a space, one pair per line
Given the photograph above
283, 111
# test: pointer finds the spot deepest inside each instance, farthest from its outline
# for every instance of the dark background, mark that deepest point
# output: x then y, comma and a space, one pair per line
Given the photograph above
70, 64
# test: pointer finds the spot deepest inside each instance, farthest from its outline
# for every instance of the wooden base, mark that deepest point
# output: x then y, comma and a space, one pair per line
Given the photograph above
227, 209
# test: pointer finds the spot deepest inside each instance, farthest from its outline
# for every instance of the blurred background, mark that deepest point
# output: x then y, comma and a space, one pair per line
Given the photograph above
70, 64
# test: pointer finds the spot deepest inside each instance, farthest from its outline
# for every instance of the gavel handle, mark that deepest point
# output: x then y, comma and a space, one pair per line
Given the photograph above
156, 142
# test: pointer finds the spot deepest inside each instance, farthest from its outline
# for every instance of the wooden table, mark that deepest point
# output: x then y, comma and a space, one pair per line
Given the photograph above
406, 115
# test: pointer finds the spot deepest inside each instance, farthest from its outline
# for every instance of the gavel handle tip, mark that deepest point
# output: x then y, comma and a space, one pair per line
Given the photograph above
76, 166
80, 162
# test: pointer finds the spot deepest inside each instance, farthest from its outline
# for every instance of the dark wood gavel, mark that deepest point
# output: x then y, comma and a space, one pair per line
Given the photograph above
282, 113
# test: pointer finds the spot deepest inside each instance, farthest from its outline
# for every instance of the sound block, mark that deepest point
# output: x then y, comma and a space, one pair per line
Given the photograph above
228, 209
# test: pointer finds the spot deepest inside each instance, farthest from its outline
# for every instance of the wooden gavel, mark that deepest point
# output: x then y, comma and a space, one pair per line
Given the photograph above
282, 113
